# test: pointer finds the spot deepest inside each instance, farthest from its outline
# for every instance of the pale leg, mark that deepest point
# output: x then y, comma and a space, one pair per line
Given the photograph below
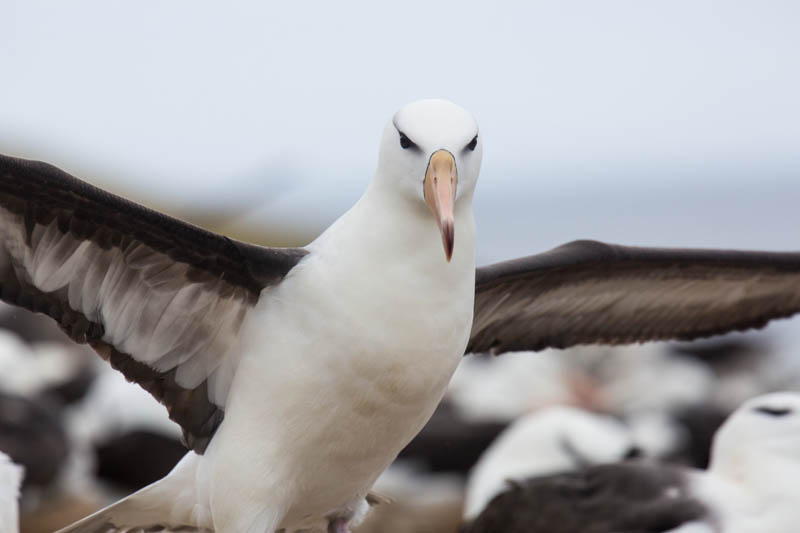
338, 525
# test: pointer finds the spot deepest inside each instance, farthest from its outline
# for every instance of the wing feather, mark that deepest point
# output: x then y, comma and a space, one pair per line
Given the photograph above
588, 292
161, 300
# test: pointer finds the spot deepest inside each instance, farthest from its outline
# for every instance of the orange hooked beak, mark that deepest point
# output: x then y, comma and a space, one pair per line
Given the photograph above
441, 179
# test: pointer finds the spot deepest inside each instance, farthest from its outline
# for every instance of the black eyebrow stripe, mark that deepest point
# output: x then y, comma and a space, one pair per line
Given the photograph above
773, 411
466, 146
413, 145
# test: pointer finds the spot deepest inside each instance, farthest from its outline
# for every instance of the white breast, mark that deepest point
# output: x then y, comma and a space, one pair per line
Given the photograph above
349, 356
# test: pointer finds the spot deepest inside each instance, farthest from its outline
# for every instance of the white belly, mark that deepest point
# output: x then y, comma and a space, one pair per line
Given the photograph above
335, 386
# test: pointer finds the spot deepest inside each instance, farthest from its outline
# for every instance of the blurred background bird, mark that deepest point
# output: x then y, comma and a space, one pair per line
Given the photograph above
659, 125
749, 486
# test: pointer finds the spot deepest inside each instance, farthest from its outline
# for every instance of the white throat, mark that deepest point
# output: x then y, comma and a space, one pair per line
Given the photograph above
386, 227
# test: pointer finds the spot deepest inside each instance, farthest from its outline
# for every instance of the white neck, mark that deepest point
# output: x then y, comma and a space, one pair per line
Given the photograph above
385, 257
386, 227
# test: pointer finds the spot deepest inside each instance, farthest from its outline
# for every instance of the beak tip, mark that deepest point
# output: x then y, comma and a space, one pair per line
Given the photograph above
448, 238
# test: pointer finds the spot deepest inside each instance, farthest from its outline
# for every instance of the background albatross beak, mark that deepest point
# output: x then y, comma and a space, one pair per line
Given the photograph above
441, 179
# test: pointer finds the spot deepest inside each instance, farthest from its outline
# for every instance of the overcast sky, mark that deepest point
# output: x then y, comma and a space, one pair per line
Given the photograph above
658, 122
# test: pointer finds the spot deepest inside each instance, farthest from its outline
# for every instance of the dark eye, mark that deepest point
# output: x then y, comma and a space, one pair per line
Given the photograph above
773, 411
405, 142
473, 143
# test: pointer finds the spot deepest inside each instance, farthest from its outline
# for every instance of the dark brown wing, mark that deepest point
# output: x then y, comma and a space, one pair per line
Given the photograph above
160, 299
588, 292
631, 497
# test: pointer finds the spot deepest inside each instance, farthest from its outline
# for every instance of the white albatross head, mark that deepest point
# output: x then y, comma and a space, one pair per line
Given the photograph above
431, 154
762, 427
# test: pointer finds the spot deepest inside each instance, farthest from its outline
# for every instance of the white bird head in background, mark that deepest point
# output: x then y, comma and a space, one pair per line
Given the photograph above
764, 429
431, 152
552, 440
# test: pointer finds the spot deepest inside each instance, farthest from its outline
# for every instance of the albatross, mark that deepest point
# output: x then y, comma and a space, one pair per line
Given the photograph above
750, 486
298, 374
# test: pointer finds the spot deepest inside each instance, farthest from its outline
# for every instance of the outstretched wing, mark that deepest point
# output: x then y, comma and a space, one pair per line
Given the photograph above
163, 301
588, 292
